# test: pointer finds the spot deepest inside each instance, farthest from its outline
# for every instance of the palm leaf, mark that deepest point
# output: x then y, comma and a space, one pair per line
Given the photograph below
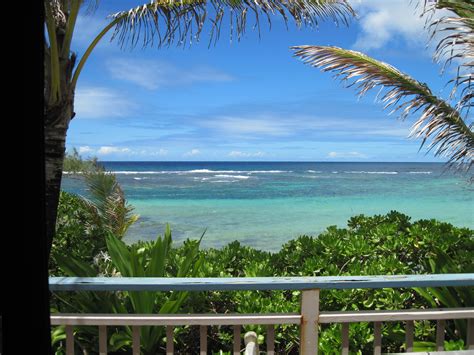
456, 45
91, 6
168, 21
442, 124
107, 204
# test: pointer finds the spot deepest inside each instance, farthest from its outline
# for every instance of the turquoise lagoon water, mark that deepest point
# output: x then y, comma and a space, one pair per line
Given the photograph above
266, 204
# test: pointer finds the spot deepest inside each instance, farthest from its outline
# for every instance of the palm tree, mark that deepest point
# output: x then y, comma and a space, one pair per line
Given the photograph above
159, 22
445, 125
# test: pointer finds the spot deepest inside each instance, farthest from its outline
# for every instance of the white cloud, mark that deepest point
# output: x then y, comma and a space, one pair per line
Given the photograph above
99, 102
284, 126
238, 154
192, 153
106, 150
123, 151
153, 74
85, 149
390, 132
87, 28
263, 125
346, 155
381, 21
152, 153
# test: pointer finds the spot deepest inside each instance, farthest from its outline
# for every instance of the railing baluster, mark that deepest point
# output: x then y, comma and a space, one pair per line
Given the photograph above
470, 334
345, 338
270, 339
169, 340
309, 322
251, 343
237, 340
203, 339
409, 335
136, 340
377, 338
309, 318
440, 325
102, 340
69, 340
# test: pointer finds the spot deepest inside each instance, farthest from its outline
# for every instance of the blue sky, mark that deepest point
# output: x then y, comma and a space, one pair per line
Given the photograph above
248, 100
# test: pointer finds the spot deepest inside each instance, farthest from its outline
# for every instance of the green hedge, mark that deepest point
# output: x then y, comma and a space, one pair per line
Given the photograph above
376, 245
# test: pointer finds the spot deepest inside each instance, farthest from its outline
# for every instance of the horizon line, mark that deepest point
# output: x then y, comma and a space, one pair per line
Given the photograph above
264, 161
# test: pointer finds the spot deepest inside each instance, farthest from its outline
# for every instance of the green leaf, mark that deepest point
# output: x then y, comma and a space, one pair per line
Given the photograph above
74, 267
119, 254
159, 255
58, 334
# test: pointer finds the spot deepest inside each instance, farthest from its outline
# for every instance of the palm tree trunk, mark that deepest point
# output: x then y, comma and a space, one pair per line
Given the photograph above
57, 120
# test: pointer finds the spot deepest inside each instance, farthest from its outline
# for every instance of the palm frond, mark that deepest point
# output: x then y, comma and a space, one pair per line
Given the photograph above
107, 204
90, 5
169, 21
439, 122
456, 46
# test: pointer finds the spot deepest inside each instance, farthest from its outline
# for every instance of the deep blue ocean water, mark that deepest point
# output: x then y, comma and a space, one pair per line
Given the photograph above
264, 204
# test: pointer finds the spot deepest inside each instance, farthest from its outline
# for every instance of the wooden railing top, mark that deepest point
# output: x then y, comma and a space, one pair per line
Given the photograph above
256, 283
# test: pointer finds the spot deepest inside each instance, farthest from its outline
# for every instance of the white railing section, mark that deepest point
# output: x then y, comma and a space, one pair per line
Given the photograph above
308, 319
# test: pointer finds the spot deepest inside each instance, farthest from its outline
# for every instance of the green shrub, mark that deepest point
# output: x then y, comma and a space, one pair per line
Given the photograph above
150, 259
377, 245
82, 223
75, 235
74, 164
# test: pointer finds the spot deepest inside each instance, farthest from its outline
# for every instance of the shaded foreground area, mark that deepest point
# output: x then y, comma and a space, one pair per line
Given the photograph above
377, 245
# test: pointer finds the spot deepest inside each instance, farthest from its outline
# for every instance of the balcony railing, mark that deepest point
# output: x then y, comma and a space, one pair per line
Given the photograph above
308, 319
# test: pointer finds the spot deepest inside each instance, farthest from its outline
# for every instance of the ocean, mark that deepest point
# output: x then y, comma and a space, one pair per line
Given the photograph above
265, 204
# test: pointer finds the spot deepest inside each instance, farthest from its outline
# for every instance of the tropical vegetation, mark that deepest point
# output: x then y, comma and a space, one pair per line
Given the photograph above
444, 122
370, 245
85, 221
89, 230
153, 23
74, 164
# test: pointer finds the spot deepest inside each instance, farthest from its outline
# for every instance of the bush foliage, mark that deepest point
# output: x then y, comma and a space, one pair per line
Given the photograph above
76, 234
74, 164
370, 245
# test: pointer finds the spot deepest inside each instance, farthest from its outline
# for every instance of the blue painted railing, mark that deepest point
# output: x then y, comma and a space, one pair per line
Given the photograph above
256, 283
308, 319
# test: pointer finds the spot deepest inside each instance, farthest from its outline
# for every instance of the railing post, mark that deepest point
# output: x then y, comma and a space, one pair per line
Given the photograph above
237, 340
377, 338
440, 328
203, 339
69, 340
470, 334
309, 322
136, 340
345, 338
409, 333
271, 339
102, 340
169, 341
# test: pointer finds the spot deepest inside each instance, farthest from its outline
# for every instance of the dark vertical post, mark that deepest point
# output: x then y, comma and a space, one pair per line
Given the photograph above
40, 244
